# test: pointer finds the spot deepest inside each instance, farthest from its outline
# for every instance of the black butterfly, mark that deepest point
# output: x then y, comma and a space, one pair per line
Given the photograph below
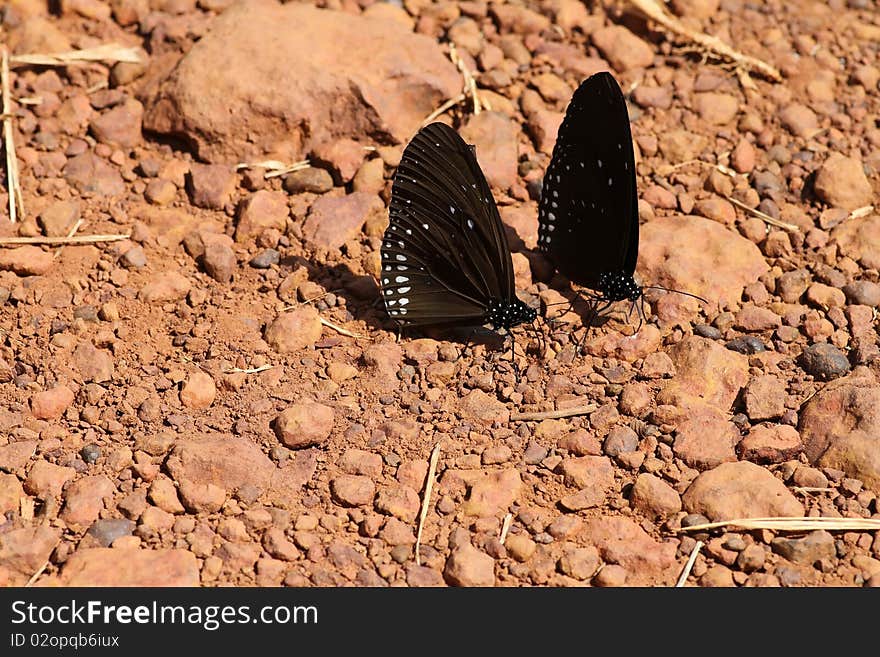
445, 258
588, 220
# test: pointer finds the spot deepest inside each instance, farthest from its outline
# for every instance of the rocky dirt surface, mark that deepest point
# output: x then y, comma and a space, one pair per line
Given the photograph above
176, 410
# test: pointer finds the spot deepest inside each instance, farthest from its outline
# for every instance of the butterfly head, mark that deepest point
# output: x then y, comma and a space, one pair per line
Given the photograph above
618, 286
506, 314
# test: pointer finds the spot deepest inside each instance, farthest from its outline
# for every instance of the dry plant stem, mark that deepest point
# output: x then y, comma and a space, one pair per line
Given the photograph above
505, 528
339, 329
553, 415
70, 233
253, 370
793, 524
429, 486
861, 212
111, 52
689, 565
37, 574
74, 239
765, 217
16, 203
452, 102
657, 13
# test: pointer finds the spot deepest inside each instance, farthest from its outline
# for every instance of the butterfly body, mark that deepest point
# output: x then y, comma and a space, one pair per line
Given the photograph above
445, 257
588, 222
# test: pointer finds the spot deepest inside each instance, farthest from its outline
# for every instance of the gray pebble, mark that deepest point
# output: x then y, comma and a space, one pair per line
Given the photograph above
534, 453
707, 331
824, 361
108, 530
87, 313
90, 453
534, 188
863, 293
134, 258
313, 179
692, 519
747, 344
265, 259
620, 439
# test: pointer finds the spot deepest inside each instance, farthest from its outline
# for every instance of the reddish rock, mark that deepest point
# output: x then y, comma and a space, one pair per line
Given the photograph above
360, 462
799, 120
311, 179
279, 546
647, 96
383, 361
467, 566
625, 347
119, 126
716, 264
654, 497
14, 456
764, 397
755, 318
263, 210
168, 286
493, 494
219, 261
840, 426
398, 501
228, 462
46, 480
24, 551
261, 105
495, 137
11, 492
841, 182
57, 219
199, 391
622, 542
294, 330
343, 157
210, 185
859, 238
543, 126
26, 260
202, 497
716, 108
89, 173
705, 439
352, 490
94, 365
136, 567
84, 499
333, 221
523, 219
707, 371
486, 410
623, 49
739, 490
743, 157
770, 443
370, 177
51, 404
163, 493
716, 209
304, 424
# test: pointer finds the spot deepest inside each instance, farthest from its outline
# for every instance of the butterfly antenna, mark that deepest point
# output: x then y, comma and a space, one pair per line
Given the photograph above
467, 343
667, 289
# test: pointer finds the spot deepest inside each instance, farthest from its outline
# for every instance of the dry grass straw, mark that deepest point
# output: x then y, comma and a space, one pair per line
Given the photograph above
110, 52
710, 45
469, 91
274, 168
791, 228
792, 524
429, 486
505, 528
686, 571
553, 415
70, 233
16, 203
340, 329
72, 239
252, 370
858, 213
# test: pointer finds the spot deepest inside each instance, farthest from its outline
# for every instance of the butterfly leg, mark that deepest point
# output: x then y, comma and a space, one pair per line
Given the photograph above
595, 311
467, 344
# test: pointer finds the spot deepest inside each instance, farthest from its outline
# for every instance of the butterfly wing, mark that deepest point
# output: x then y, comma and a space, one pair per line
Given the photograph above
444, 254
588, 221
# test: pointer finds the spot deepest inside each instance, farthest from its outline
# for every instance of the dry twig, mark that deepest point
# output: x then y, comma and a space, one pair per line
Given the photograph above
689, 565
713, 45
553, 415
505, 528
110, 52
70, 233
253, 370
792, 524
73, 239
274, 168
763, 216
16, 203
339, 329
429, 486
